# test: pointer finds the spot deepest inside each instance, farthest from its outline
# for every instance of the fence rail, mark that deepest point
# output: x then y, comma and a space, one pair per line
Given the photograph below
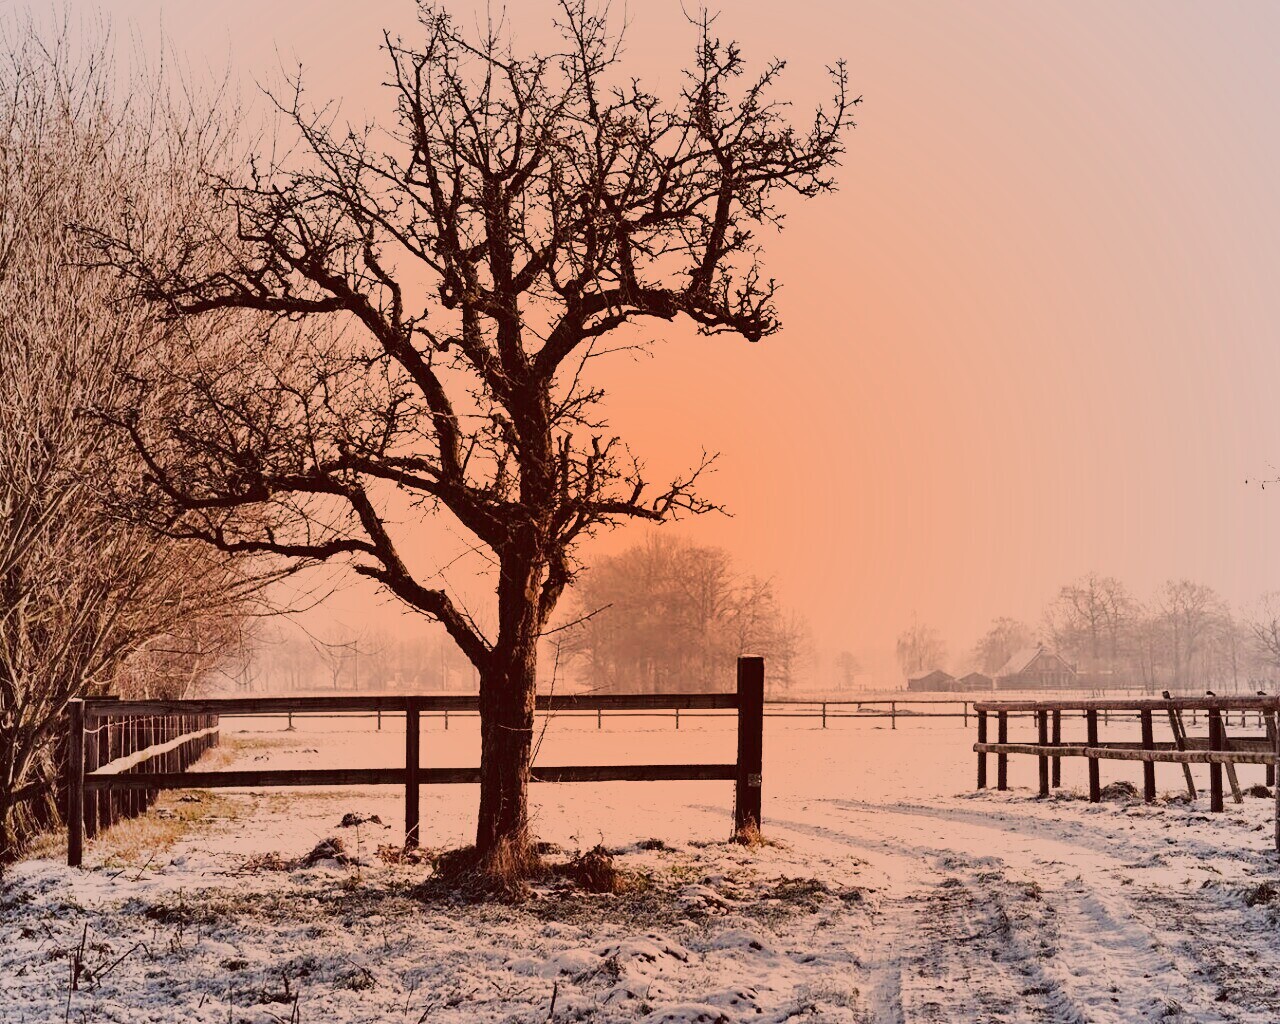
120, 779
1219, 751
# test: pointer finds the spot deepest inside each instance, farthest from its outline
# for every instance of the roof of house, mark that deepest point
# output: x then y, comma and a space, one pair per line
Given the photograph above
976, 675
937, 672
1022, 659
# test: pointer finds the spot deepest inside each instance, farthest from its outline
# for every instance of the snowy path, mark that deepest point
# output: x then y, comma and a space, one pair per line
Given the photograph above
1013, 912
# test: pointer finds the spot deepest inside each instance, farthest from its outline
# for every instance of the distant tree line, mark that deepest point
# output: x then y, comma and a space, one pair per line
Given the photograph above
1184, 636
375, 660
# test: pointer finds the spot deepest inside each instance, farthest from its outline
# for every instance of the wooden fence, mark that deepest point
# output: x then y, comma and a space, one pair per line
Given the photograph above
91, 781
1220, 751
778, 707
108, 743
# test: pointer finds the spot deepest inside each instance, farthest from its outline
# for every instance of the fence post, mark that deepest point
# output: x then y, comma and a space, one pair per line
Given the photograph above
1271, 735
1057, 739
1276, 747
131, 747
982, 755
75, 784
599, 719
1002, 759
1148, 767
677, 718
1095, 778
411, 766
149, 740
113, 751
893, 713
90, 802
1216, 732
1042, 732
965, 705
824, 714
747, 788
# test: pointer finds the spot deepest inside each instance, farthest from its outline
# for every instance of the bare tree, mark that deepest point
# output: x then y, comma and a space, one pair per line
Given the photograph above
1263, 625
1090, 622
1004, 639
470, 260
920, 648
670, 615
848, 668
87, 601
1188, 613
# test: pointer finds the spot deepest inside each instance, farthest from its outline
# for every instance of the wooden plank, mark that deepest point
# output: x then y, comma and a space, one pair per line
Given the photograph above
250, 779
1002, 760
1111, 754
75, 783
748, 778
268, 778
436, 702
1148, 767
1210, 757
1269, 703
1271, 738
412, 766
1056, 739
982, 754
90, 802
639, 701
1042, 729
635, 773
1180, 743
1215, 768
1236, 795
1061, 750
1091, 732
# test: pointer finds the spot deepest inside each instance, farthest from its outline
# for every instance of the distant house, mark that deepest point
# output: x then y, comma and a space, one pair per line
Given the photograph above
932, 681
974, 682
1036, 668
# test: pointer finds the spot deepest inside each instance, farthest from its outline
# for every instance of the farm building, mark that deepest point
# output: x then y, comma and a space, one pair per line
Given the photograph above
975, 681
1036, 668
932, 681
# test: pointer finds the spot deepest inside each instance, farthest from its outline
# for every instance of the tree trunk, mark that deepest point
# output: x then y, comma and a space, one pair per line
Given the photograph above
507, 692
508, 689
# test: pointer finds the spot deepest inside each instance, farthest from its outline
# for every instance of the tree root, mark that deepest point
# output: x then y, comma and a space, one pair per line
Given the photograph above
501, 874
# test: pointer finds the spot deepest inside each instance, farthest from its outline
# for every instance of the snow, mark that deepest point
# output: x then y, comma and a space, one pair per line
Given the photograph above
889, 892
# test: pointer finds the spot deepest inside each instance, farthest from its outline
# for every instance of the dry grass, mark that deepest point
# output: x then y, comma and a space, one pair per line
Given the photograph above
135, 842
595, 871
751, 836
503, 875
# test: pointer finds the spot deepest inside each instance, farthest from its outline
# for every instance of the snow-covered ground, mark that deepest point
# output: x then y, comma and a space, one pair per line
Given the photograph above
891, 892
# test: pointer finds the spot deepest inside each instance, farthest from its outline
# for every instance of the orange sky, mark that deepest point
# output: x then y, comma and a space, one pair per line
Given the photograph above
1031, 336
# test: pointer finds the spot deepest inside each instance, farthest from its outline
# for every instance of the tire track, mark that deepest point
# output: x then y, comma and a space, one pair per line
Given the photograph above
1053, 933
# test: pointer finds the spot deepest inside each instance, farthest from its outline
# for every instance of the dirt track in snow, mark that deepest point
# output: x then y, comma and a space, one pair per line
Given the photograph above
1007, 908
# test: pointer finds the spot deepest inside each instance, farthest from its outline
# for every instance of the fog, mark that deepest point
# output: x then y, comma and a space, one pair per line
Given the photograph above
1029, 338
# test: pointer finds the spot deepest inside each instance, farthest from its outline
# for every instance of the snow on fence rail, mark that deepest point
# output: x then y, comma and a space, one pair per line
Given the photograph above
107, 743
120, 777
1220, 752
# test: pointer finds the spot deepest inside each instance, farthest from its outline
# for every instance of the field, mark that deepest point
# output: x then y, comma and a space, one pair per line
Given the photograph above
887, 891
